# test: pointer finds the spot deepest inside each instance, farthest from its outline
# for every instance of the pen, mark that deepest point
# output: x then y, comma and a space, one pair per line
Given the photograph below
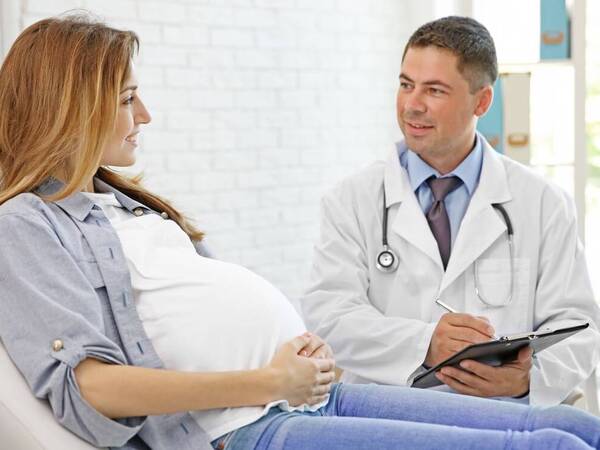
446, 307
452, 310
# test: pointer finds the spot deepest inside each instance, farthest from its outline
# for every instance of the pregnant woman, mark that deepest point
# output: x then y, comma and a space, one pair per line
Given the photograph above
114, 312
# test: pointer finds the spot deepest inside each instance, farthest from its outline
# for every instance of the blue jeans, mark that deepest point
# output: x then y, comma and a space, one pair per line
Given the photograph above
390, 417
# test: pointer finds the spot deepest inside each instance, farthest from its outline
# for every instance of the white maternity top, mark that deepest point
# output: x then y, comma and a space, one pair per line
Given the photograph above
201, 314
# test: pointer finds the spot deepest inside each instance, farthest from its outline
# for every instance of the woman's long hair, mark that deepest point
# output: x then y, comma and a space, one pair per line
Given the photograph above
59, 98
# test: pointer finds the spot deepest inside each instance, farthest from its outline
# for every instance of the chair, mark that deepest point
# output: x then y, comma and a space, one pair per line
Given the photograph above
591, 394
27, 423
586, 396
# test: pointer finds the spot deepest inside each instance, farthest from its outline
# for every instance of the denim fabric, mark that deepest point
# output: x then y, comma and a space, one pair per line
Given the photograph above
390, 417
64, 279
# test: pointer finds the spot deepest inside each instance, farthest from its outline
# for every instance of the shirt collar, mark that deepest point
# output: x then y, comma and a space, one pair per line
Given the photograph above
127, 202
78, 205
468, 170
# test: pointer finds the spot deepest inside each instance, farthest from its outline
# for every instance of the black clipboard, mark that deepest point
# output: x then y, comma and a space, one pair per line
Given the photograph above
499, 351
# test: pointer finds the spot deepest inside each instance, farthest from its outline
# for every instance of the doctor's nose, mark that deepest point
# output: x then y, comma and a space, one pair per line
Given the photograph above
412, 102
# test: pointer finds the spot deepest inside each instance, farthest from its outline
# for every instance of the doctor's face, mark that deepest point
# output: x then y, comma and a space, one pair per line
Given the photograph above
436, 111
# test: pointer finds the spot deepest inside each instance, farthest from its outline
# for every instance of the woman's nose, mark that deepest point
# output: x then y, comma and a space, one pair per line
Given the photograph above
142, 114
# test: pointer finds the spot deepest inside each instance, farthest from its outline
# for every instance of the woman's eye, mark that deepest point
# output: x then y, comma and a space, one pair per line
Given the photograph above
128, 100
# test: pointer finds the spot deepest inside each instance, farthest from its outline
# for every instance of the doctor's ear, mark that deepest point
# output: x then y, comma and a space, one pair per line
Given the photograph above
485, 96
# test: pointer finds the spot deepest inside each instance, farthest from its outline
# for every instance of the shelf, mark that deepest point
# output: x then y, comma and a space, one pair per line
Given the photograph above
553, 164
532, 66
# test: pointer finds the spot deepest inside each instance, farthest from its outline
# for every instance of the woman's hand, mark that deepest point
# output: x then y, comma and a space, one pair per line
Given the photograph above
301, 379
316, 347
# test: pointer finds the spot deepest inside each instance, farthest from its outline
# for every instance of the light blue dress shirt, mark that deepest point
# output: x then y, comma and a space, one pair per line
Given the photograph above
457, 201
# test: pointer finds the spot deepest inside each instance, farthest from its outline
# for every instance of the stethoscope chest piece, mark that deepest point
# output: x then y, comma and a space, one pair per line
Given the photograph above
386, 261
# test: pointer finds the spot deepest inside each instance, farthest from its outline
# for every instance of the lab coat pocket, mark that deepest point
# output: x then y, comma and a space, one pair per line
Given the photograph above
501, 293
493, 281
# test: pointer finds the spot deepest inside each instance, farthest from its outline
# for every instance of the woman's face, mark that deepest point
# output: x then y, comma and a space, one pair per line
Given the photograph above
120, 150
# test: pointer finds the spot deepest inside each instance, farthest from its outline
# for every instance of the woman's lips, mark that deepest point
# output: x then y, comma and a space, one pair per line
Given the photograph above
132, 138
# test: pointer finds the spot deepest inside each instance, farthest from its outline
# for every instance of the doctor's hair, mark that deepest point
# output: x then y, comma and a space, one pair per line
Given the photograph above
466, 38
59, 98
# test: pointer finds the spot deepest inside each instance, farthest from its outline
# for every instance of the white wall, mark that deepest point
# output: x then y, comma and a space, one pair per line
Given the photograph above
259, 105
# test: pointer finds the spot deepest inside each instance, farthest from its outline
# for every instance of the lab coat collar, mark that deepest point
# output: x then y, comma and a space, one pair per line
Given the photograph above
493, 182
409, 221
480, 226
395, 178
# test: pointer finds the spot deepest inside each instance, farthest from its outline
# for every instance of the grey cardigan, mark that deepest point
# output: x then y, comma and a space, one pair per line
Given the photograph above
65, 295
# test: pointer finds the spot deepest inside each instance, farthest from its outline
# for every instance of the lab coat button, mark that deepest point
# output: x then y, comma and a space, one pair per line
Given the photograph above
164, 215
57, 345
138, 212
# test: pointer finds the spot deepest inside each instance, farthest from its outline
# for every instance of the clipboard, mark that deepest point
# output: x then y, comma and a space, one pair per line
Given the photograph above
499, 351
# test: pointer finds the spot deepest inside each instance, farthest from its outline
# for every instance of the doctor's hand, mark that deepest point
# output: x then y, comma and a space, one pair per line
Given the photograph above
481, 380
454, 332
316, 347
299, 379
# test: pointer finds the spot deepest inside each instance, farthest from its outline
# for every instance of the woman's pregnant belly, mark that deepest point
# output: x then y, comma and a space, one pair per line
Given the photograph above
202, 314
213, 315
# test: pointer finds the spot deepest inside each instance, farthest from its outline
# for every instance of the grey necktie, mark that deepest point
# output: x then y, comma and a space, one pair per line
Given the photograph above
437, 217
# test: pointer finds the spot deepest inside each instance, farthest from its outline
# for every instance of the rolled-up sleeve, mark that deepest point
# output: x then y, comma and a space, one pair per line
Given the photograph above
50, 320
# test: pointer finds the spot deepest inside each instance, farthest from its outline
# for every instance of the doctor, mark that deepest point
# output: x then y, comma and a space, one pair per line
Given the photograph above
446, 217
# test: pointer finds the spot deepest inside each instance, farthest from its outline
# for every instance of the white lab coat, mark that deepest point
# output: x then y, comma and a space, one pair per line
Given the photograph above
380, 324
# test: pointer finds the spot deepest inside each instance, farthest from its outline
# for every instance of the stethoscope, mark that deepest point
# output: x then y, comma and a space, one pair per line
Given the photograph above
387, 260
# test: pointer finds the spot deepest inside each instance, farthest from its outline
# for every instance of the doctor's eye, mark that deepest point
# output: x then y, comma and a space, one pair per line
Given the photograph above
405, 85
436, 91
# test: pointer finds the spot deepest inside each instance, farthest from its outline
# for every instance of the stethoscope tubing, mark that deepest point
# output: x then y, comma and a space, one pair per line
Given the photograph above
387, 261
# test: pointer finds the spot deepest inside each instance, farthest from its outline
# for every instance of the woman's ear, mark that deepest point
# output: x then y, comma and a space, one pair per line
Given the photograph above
485, 96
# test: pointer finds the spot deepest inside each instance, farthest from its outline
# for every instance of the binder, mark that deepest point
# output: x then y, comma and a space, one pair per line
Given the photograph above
499, 351
554, 30
491, 124
516, 116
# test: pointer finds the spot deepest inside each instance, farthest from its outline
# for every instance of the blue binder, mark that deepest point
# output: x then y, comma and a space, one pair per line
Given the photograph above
554, 30
491, 124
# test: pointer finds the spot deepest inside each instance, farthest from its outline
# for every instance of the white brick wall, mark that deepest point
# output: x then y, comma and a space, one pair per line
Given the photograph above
258, 106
